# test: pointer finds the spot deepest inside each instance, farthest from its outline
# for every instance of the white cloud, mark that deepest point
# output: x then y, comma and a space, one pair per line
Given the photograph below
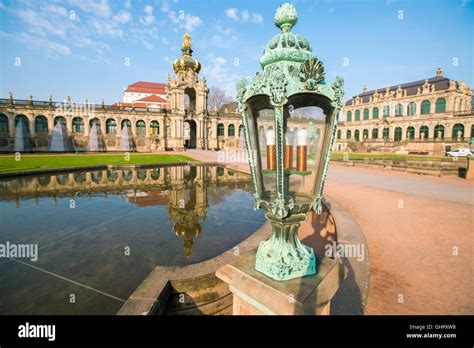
243, 16
165, 7
51, 48
145, 36
37, 24
223, 38
257, 18
104, 28
61, 11
149, 18
149, 9
122, 17
232, 13
191, 22
95, 7
185, 21
218, 73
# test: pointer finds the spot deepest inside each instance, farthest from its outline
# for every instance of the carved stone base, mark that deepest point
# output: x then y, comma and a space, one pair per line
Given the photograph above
283, 256
254, 293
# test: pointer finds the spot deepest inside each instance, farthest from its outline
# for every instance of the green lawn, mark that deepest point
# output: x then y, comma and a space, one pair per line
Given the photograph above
388, 155
32, 162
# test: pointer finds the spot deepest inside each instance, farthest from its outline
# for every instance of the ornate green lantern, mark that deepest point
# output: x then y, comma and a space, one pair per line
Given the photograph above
289, 113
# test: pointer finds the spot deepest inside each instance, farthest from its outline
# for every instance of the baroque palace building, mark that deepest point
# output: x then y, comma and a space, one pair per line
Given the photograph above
429, 116
152, 117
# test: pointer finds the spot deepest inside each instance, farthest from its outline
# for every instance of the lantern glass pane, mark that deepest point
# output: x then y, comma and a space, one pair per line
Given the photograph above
306, 129
267, 144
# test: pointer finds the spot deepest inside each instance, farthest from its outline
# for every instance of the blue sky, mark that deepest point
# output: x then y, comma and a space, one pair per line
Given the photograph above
80, 47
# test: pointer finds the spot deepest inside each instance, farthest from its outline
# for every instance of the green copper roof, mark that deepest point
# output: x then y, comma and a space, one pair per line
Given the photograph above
286, 46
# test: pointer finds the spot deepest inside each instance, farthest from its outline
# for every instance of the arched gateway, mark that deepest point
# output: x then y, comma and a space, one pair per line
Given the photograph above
187, 103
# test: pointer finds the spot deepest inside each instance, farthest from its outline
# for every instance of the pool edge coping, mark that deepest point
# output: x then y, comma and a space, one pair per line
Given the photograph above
104, 167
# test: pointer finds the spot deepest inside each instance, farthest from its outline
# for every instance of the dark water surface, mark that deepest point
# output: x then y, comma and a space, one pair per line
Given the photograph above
100, 233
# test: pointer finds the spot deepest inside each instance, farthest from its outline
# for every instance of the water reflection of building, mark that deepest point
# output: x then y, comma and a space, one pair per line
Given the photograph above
184, 189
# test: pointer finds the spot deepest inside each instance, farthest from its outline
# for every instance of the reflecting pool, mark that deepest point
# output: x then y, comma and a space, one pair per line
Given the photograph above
100, 233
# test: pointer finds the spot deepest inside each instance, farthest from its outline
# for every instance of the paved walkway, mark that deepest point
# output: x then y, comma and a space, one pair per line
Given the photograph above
419, 231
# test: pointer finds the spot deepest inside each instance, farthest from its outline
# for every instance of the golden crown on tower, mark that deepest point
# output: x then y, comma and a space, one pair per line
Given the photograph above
186, 42
186, 62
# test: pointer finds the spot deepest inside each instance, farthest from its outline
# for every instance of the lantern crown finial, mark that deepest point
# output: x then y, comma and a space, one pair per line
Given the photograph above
286, 17
286, 46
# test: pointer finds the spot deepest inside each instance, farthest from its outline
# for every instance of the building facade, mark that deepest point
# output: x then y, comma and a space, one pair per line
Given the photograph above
428, 116
150, 93
27, 125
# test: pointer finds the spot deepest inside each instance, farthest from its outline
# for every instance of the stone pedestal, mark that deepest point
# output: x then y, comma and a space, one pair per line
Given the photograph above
256, 294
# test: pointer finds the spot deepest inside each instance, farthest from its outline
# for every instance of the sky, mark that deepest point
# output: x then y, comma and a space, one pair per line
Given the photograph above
92, 49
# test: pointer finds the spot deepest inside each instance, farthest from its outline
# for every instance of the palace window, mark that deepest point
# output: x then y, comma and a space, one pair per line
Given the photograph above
357, 115
41, 125
349, 116
339, 134
386, 133
154, 128
80, 177
458, 127
127, 175
231, 130
77, 125
3, 124
357, 135
375, 113
112, 175
59, 119
366, 114
126, 122
141, 127
398, 134
155, 174
440, 105
439, 132
425, 107
411, 132
365, 134
424, 132
399, 110
141, 174
386, 111
110, 126
348, 134
96, 122
375, 133
241, 131
220, 130
24, 120
411, 109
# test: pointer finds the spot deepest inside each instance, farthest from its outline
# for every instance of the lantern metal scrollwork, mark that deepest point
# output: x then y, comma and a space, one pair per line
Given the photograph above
289, 114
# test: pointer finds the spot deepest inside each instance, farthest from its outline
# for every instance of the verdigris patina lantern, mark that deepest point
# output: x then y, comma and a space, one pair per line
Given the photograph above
289, 113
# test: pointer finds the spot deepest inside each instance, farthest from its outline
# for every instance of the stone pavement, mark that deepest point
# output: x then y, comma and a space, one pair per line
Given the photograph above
419, 231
